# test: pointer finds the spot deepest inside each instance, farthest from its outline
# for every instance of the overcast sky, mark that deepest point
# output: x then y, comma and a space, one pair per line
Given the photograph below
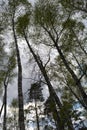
27, 70
12, 88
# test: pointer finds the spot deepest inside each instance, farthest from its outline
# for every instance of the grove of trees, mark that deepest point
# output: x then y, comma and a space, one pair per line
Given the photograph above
54, 37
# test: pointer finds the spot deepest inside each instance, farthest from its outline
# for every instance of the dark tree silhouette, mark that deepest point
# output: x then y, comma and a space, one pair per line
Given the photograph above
35, 94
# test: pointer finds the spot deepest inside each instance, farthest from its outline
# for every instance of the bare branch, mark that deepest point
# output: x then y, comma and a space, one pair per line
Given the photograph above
48, 59
34, 80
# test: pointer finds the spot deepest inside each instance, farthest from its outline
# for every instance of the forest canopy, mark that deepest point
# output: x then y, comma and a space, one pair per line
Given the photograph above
43, 66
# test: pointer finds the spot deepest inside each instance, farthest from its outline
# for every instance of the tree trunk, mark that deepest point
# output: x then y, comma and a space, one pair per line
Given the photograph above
5, 109
51, 90
84, 95
58, 121
20, 94
42, 69
2, 105
75, 78
37, 118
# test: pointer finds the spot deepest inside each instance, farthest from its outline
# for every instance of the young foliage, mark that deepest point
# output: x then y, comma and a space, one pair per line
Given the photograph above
36, 92
22, 23
45, 13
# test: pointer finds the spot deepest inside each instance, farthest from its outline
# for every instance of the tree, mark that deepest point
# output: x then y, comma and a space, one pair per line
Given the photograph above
56, 34
9, 74
21, 26
3, 56
7, 65
58, 28
12, 8
35, 94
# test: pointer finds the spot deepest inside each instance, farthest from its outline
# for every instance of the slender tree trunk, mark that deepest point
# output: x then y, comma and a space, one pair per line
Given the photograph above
58, 121
5, 109
20, 94
81, 69
2, 105
80, 101
75, 78
51, 90
84, 95
37, 118
42, 69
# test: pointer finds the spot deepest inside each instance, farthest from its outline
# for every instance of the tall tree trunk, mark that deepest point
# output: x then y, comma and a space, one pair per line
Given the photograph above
75, 78
2, 105
56, 116
20, 94
5, 109
77, 81
42, 69
51, 90
37, 118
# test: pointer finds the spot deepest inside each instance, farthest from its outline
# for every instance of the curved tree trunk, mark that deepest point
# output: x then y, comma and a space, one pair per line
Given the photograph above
20, 94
